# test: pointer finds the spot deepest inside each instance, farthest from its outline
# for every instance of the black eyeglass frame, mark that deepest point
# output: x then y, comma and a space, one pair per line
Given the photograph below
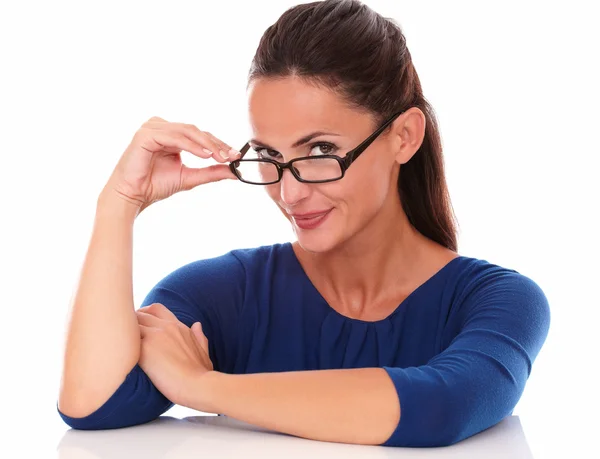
344, 162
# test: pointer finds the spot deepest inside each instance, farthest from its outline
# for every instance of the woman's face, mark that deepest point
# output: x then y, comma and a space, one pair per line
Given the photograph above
323, 215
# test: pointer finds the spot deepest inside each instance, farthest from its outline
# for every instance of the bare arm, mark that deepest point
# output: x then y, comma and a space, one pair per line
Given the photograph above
342, 405
470, 386
103, 338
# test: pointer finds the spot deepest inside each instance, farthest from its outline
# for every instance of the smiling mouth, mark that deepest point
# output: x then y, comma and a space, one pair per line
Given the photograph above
309, 214
310, 221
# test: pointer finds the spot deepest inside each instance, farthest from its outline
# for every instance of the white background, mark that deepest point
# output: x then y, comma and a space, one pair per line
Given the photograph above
514, 85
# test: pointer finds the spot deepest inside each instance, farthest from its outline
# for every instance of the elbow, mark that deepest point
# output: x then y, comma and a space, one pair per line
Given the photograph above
435, 413
452, 430
75, 420
434, 428
135, 401
79, 414
453, 420
116, 418
72, 405
77, 403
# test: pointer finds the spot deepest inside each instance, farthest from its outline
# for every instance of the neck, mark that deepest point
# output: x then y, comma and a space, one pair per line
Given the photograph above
375, 266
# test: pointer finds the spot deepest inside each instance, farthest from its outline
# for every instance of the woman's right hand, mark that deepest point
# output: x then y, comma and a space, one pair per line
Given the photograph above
150, 169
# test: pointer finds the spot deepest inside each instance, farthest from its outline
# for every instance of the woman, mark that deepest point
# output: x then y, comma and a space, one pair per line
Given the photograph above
370, 328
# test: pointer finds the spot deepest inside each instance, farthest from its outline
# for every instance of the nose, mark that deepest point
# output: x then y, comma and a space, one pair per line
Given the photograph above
292, 191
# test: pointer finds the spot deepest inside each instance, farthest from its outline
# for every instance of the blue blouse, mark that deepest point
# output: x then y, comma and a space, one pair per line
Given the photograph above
458, 349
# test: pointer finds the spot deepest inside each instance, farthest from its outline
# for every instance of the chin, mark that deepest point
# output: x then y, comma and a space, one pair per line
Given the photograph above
318, 240
316, 243
318, 236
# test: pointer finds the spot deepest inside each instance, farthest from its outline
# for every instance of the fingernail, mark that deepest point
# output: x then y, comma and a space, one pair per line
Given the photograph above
234, 153
208, 152
223, 154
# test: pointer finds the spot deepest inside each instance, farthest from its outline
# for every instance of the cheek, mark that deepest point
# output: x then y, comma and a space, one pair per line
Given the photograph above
369, 189
379, 178
273, 191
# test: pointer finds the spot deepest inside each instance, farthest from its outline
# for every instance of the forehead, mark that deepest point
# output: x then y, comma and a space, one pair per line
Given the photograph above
279, 108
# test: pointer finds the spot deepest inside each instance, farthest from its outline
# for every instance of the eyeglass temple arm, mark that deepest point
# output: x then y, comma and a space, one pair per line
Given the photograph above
244, 149
354, 154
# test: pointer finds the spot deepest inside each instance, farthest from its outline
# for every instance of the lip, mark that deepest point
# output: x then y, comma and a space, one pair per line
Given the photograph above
309, 214
310, 220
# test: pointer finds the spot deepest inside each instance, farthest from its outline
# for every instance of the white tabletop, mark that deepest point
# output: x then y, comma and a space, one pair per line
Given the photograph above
221, 436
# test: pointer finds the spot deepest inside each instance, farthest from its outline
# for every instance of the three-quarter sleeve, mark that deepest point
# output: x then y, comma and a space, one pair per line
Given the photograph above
477, 380
209, 291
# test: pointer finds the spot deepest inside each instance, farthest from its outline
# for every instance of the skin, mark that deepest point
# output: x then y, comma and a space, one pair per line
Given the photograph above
364, 259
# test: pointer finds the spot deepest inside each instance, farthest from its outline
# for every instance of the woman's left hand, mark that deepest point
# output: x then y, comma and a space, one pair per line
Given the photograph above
173, 355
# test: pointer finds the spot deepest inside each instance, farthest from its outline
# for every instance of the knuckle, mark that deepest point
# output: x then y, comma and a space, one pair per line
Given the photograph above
191, 127
172, 326
141, 134
178, 135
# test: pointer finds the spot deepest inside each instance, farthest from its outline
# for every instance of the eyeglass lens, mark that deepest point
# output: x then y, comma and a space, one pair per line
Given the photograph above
310, 169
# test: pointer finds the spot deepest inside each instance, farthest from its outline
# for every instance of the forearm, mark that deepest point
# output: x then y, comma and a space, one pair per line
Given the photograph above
103, 340
346, 405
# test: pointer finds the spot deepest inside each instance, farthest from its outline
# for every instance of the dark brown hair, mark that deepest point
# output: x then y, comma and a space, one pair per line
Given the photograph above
345, 46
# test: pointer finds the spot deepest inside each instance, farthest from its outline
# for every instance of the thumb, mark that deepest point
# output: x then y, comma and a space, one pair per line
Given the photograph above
192, 177
196, 328
200, 337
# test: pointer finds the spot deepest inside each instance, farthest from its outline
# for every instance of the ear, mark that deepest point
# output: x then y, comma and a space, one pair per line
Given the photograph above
409, 130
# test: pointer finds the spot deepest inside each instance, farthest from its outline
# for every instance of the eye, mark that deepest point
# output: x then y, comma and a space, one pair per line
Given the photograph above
316, 149
265, 153
323, 148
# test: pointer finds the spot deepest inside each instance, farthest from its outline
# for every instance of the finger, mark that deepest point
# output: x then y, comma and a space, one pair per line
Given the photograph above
221, 153
202, 345
205, 139
159, 310
201, 339
155, 119
192, 177
219, 150
170, 140
223, 148
148, 320
172, 149
145, 334
144, 330
231, 152
225, 151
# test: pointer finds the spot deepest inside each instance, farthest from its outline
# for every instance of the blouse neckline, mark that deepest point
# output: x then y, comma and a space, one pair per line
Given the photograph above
306, 279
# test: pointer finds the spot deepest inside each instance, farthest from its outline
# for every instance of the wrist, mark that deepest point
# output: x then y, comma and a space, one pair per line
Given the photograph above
110, 203
204, 391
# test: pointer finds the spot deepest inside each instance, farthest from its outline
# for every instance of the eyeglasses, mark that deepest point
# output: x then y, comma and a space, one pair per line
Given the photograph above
308, 169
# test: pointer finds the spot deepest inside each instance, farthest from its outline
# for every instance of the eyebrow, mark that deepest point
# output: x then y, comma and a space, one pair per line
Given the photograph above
298, 143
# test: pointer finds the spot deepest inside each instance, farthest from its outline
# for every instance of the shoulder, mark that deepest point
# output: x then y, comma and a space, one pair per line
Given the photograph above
223, 270
476, 277
487, 294
263, 255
